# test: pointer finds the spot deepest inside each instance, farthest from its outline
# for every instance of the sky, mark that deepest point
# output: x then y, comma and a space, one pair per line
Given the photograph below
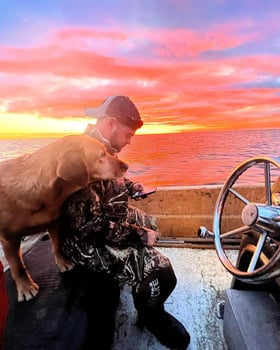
187, 65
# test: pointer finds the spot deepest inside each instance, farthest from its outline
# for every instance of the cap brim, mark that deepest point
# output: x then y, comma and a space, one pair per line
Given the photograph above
100, 111
97, 112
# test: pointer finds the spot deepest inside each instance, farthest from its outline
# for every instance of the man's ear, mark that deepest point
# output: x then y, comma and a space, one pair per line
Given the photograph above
73, 169
112, 123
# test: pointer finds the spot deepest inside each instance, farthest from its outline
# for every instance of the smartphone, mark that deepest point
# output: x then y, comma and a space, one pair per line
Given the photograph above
145, 192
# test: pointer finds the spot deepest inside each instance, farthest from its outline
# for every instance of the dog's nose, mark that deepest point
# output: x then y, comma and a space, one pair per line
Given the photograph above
125, 166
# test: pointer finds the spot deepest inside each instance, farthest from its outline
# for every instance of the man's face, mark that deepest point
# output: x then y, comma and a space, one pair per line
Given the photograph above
121, 136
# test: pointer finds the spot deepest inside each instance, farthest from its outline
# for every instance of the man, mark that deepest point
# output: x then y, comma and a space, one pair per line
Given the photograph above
101, 233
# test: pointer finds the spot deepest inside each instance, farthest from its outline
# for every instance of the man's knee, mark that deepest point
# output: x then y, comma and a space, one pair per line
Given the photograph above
155, 288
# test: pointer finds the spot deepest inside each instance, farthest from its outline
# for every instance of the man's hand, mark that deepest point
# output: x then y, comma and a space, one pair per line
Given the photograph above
152, 237
137, 187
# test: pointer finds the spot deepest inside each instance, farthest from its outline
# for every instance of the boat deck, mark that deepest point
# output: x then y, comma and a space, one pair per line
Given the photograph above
201, 284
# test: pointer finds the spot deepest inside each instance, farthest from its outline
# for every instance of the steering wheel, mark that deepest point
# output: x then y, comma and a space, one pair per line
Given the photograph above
258, 224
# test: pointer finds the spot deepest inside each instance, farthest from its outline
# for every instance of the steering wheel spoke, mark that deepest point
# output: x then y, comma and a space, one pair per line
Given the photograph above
267, 183
237, 231
239, 196
257, 253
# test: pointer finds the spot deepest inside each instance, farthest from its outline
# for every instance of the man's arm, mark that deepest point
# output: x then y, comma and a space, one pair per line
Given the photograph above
124, 235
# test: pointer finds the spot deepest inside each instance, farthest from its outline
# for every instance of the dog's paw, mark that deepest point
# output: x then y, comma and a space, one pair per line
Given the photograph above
27, 290
63, 264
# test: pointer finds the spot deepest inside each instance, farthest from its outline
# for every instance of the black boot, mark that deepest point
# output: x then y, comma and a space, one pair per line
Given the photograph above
149, 298
166, 328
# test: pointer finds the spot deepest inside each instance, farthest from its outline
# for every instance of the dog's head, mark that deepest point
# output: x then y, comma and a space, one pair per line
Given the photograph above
100, 164
86, 159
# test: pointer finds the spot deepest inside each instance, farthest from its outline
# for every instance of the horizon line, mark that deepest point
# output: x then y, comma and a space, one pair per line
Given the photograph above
10, 136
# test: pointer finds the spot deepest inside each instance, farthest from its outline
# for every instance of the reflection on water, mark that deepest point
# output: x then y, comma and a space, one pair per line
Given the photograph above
192, 158
198, 157
14, 148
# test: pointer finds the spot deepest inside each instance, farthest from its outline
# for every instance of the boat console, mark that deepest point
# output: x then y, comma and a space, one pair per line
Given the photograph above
252, 304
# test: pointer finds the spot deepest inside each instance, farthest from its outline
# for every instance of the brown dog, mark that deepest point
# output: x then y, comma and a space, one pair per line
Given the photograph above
33, 188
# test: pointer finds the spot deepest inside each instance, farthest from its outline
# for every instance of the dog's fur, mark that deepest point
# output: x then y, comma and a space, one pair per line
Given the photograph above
33, 188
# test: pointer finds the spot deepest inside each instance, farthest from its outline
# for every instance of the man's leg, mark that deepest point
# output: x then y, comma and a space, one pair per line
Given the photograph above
149, 298
101, 304
97, 294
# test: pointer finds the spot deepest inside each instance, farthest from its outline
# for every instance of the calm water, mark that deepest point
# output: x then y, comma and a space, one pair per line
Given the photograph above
194, 158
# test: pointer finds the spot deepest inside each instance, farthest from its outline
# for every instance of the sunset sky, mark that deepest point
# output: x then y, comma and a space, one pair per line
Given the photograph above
187, 65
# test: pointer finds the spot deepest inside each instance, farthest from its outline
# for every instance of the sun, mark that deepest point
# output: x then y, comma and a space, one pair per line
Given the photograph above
26, 125
30, 126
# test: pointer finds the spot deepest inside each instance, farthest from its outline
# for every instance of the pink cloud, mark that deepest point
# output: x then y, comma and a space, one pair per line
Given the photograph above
48, 79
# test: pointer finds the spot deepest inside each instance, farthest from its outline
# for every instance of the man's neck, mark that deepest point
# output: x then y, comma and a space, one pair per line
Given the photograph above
97, 134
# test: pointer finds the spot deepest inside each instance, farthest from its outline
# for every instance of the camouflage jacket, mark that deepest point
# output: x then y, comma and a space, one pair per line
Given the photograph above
99, 214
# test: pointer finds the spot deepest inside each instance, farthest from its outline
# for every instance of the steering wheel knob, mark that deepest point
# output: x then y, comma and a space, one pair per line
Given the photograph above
249, 214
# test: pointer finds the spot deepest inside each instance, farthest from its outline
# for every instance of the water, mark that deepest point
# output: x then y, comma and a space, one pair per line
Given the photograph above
193, 158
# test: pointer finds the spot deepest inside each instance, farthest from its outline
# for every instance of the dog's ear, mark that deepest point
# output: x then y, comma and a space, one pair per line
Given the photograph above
72, 169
